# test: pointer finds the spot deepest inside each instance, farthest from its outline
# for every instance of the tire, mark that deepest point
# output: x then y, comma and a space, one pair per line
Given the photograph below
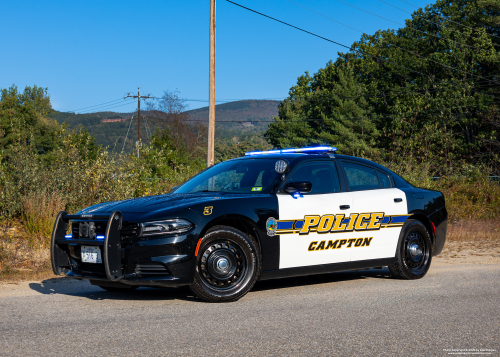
414, 252
227, 266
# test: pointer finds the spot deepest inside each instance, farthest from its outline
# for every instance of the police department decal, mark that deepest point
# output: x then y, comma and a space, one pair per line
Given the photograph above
271, 226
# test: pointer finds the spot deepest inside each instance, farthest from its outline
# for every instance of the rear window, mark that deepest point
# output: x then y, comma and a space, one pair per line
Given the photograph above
361, 177
385, 181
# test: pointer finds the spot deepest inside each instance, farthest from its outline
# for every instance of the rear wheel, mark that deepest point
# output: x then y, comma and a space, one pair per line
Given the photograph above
413, 255
227, 266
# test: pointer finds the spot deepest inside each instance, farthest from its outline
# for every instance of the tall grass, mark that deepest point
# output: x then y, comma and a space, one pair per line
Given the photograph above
38, 214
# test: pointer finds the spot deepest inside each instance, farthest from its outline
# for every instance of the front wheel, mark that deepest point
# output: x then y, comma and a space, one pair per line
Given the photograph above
414, 252
227, 266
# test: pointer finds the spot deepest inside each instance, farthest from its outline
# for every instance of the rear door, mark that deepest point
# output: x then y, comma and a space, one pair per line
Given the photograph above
381, 208
305, 223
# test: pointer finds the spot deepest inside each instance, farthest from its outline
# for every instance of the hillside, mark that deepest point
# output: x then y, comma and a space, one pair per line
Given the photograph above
246, 115
235, 119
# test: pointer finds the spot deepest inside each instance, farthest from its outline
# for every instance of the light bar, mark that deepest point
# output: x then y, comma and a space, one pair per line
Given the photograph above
318, 149
68, 236
100, 237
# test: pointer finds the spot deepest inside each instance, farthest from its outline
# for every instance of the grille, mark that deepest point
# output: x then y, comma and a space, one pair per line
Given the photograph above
150, 269
100, 228
128, 231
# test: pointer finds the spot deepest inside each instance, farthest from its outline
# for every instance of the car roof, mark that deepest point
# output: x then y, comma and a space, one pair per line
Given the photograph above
292, 157
295, 158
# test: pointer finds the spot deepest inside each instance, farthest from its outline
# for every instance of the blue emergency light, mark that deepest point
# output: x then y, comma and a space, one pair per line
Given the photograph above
317, 149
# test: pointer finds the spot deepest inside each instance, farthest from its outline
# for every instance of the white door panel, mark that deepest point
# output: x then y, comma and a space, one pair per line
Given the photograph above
294, 247
385, 239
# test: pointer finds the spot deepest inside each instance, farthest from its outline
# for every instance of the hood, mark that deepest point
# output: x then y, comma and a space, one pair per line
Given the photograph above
159, 205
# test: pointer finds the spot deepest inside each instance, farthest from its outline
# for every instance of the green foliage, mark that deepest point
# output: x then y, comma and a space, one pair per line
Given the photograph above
323, 109
45, 169
22, 116
417, 94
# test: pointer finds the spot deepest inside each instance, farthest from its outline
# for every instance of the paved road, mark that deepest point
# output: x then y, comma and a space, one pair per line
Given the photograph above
351, 314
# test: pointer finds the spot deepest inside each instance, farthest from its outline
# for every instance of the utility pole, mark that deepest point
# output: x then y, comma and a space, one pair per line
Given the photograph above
211, 90
139, 97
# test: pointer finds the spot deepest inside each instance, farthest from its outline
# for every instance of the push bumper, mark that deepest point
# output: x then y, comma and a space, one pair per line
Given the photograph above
160, 262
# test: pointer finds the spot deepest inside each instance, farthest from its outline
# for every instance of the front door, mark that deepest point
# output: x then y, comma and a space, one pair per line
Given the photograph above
312, 227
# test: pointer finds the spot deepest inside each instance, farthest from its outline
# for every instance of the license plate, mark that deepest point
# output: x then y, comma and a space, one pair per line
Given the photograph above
91, 254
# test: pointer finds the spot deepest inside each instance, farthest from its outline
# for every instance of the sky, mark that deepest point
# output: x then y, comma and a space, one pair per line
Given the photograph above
88, 53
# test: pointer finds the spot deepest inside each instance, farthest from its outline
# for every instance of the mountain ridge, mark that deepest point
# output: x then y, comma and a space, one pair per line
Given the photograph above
233, 119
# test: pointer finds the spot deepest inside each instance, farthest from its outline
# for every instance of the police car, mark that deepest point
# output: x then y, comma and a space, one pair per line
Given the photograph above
267, 215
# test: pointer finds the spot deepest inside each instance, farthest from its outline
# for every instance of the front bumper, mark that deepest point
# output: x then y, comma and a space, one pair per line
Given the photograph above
166, 261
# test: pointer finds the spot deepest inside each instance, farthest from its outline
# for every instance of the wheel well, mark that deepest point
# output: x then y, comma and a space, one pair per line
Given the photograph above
237, 223
427, 223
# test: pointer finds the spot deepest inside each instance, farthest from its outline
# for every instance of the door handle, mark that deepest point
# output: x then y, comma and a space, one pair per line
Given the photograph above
345, 206
398, 200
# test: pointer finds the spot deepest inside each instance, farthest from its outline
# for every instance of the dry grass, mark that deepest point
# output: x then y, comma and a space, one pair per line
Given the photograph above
20, 260
474, 231
39, 213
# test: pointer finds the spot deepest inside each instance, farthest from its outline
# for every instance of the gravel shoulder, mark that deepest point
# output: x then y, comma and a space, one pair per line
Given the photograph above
362, 313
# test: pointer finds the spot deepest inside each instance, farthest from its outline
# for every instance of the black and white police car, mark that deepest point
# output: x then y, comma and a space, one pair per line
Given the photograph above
267, 215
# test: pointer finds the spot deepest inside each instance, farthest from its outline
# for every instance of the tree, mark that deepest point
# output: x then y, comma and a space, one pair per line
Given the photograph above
420, 88
327, 108
169, 116
23, 117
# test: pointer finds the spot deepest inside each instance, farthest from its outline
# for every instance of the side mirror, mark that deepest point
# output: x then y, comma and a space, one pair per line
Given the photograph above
298, 186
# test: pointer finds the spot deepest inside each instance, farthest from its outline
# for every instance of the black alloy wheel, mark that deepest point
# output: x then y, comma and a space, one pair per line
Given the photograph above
222, 264
227, 266
414, 253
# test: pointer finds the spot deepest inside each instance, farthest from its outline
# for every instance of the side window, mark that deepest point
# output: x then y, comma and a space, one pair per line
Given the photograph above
385, 181
322, 174
361, 177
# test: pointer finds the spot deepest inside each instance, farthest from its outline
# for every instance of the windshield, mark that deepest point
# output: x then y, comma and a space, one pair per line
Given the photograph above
238, 176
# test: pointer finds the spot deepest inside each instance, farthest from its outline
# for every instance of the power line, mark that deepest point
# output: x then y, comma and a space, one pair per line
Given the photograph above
424, 32
393, 45
139, 97
350, 48
126, 137
374, 117
446, 19
92, 106
329, 119
106, 108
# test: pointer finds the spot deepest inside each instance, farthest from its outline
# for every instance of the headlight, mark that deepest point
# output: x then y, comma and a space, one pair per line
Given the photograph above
169, 226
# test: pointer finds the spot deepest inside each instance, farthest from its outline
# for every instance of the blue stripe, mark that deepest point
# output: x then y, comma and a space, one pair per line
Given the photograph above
400, 219
346, 220
285, 225
299, 224
386, 219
